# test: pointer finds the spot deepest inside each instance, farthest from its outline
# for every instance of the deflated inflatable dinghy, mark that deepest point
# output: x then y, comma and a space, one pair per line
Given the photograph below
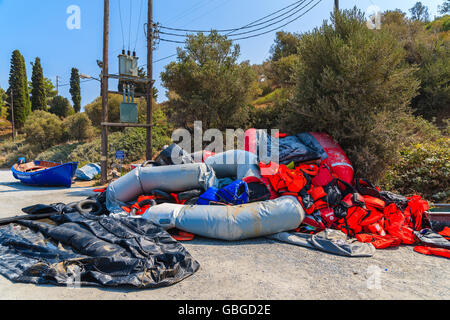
230, 222
234, 163
143, 180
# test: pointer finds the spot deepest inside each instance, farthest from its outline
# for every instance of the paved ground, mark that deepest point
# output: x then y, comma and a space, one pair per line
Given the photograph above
253, 269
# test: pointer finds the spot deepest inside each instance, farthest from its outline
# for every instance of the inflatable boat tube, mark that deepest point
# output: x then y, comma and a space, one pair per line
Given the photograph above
201, 156
264, 146
143, 180
230, 222
234, 163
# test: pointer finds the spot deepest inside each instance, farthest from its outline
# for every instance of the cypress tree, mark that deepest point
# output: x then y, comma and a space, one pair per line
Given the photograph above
38, 94
19, 84
75, 89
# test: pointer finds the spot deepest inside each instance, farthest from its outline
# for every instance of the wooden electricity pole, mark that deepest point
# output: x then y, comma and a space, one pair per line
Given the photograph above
149, 153
105, 76
336, 5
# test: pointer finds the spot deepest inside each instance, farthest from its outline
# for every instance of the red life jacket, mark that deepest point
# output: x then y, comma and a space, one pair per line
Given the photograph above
328, 217
285, 180
379, 242
140, 206
445, 233
323, 176
415, 211
441, 252
181, 235
396, 224
350, 224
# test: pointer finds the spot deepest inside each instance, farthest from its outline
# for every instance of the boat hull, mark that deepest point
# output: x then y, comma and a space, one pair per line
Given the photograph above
58, 176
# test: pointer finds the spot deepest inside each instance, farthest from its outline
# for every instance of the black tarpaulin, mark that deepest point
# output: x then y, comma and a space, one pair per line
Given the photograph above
95, 251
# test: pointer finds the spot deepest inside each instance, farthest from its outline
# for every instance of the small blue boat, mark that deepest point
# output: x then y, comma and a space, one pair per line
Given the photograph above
45, 173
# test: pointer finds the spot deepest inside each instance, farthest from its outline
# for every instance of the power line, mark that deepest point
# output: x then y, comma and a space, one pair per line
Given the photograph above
138, 25
121, 25
262, 28
262, 33
289, 22
162, 59
251, 25
192, 9
68, 84
276, 22
172, 41
129, 31
208, 12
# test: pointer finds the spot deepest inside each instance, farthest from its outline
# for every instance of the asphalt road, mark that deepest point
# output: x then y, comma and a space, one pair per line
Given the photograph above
252, 269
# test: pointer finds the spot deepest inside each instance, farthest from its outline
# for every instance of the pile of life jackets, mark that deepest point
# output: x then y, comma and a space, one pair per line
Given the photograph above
360, 210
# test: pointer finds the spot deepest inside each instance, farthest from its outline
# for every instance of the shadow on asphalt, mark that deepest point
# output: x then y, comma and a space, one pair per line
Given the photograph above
18, 186
211, 242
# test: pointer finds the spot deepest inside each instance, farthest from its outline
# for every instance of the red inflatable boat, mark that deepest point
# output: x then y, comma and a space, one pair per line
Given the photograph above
315, 146
337, 161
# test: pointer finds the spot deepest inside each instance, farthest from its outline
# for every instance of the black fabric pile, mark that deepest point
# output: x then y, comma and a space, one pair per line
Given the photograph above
93, 250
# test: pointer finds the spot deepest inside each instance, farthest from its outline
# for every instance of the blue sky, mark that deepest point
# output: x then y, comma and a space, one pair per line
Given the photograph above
38, 29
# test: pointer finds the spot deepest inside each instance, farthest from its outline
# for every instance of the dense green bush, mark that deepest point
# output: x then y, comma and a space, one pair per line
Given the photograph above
282, 71
352, 83
78, 127
58, 153
132, 141
43, 129
427, 46
424, 169
11, 151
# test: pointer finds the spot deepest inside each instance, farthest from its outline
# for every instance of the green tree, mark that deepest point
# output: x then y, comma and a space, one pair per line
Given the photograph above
352, 82
78, 127
18, 84
38, 93
61, 107
427, 47
50, 91
3, 106
75, 90
280, 68
445, 7
420, 12
207, 84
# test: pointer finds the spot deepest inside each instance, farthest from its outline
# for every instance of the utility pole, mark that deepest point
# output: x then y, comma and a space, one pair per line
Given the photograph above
149, 153
105, 76
336, 5
12, 115
57, 85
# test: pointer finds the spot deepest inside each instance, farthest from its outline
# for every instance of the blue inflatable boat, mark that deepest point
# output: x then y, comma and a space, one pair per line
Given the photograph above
44, 173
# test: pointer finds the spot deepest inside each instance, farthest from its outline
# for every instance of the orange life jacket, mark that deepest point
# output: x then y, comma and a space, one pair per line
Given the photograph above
140, 206
379, 242
441, 252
